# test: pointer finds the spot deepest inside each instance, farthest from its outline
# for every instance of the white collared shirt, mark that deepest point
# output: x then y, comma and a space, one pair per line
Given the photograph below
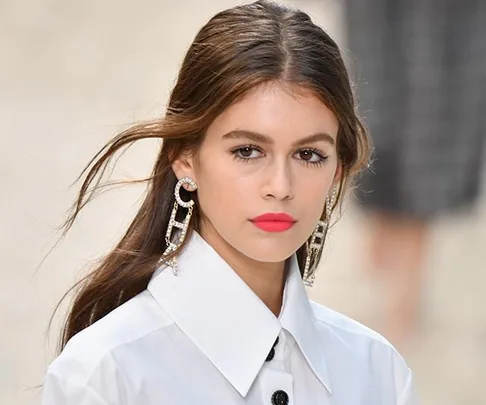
203, 337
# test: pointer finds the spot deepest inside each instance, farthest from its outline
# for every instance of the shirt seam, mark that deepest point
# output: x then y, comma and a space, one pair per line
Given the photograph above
83, 386
97, 395
372, 336
111, 350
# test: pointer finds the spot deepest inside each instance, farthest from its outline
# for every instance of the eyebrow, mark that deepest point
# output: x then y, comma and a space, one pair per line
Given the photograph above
264, 139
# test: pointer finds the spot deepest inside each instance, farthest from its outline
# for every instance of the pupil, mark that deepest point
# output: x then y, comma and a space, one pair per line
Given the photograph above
246, 152
306, 155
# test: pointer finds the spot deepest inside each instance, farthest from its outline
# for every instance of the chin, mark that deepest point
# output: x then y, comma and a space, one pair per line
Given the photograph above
269, 251
265, 247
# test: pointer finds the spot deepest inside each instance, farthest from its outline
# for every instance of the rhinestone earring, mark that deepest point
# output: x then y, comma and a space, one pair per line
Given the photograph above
316, 244
176, 231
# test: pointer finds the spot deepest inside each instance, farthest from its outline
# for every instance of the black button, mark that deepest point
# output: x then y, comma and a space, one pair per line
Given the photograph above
271, 355
280, 398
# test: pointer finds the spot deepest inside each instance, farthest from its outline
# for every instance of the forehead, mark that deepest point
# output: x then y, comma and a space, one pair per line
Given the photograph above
285, 113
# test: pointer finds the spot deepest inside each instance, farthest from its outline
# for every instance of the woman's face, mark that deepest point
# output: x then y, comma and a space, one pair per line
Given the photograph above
272, 152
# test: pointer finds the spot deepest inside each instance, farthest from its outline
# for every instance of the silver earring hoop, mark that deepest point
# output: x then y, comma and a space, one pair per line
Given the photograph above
315, 246
330, 201
176, 231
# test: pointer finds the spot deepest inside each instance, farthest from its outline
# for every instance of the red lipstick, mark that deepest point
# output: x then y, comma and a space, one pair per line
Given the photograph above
274, 222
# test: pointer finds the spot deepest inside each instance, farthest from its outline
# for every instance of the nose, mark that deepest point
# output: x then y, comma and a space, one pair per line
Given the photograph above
278, 184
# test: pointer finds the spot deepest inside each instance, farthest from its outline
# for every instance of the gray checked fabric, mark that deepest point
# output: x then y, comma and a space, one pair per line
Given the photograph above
420, 70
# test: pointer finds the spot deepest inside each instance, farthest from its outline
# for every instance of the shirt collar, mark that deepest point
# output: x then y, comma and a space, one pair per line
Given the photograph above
235, 330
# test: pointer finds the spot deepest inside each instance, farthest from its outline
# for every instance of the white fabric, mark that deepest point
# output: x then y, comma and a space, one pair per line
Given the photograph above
202, 337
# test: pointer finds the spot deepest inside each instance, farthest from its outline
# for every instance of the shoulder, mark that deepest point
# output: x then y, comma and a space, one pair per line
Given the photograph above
363, 352
356, 337
128, 325
348, 329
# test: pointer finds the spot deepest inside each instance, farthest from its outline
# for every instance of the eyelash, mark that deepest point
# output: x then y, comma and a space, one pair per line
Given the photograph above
235, 151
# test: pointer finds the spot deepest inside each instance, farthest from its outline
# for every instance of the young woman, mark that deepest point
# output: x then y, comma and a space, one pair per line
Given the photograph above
203, 299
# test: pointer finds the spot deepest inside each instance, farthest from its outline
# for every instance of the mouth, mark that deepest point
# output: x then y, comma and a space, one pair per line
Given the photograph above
274, 222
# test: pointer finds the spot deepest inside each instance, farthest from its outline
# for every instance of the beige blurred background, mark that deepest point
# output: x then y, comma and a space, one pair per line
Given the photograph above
72, 74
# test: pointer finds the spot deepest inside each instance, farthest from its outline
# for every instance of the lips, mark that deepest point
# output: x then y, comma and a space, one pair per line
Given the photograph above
274, 222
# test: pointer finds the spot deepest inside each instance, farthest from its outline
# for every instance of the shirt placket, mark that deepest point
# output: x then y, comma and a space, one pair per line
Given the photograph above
276, 383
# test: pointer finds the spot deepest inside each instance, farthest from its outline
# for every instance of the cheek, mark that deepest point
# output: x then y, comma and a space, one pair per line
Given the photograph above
312, 190
221, 186
312, 201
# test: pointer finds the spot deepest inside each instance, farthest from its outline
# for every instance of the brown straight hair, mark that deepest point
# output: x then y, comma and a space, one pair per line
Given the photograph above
237, 50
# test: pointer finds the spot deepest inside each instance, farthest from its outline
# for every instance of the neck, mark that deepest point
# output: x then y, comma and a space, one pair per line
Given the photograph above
267, 280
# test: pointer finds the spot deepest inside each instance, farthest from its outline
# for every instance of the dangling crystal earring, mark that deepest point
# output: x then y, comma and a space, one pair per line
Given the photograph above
316, 244
174, 238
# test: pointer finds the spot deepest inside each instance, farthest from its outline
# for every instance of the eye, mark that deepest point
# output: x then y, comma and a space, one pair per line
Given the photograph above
311, 156
247, 152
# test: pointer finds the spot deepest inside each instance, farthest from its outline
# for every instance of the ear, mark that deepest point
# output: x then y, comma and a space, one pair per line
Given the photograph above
184, 167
